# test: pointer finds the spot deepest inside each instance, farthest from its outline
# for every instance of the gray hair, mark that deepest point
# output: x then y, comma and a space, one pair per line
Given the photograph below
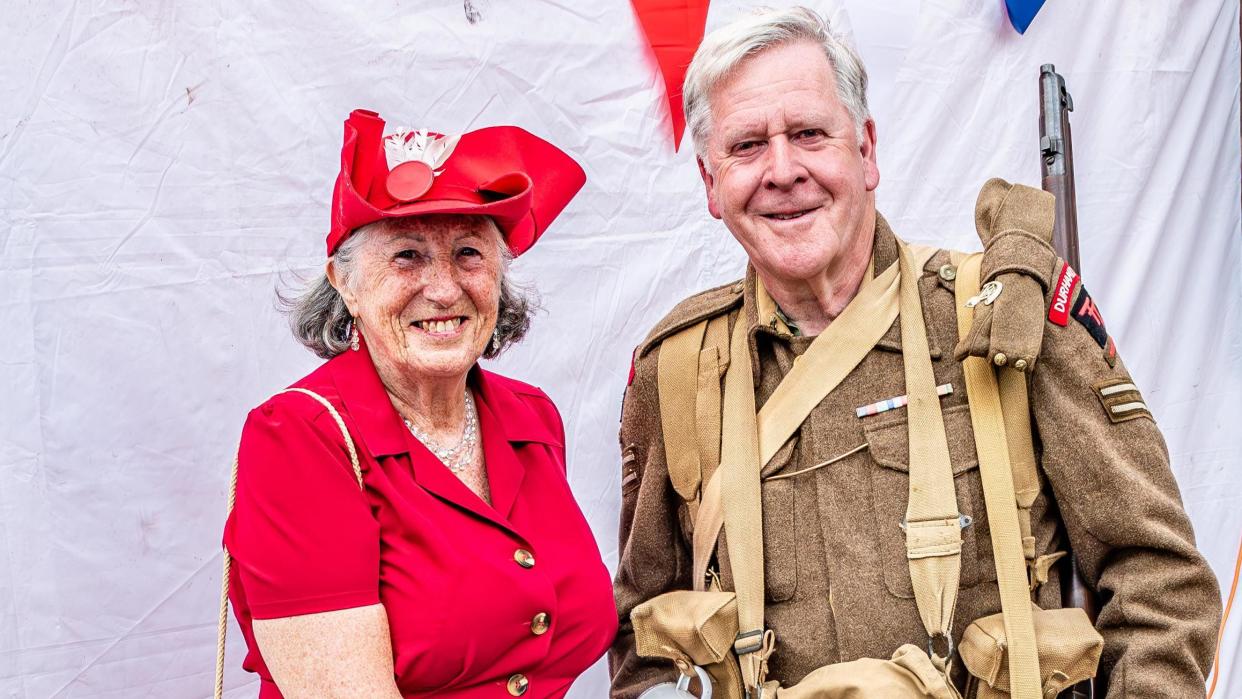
320, 320
723, 50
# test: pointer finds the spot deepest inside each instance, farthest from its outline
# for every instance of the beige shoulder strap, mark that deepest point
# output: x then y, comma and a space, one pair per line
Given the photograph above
1015, 404
989, 424
677, 374
222, 628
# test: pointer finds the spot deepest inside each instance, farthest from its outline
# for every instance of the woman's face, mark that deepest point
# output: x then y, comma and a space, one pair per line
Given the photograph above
424, 291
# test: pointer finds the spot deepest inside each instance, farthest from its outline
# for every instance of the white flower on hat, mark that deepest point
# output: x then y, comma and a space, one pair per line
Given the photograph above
405, 145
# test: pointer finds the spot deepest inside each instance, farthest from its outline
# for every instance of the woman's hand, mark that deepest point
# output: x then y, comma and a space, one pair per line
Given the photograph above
345, 653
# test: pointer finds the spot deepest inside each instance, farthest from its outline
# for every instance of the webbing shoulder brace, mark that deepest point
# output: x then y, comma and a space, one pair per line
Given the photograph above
691, 364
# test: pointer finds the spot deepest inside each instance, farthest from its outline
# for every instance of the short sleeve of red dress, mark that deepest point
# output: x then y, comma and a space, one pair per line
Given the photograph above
301, 534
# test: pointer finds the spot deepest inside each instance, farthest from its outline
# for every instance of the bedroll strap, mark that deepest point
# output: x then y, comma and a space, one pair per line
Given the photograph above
999, 495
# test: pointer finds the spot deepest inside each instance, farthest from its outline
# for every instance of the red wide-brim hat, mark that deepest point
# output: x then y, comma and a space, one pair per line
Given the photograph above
518, 179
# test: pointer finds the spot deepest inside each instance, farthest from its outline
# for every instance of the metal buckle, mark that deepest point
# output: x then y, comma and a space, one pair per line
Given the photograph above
963, 521
986, 295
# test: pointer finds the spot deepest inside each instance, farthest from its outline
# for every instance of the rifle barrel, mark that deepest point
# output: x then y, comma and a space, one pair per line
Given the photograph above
1057, 160
1057, 167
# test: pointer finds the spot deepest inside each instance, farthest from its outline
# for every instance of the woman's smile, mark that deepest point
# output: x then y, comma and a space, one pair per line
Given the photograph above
442, 327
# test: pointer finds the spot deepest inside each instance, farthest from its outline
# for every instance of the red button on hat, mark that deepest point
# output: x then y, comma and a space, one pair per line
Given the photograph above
409, 180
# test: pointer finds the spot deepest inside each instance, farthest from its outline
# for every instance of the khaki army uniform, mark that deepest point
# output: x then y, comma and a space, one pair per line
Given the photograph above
836, 575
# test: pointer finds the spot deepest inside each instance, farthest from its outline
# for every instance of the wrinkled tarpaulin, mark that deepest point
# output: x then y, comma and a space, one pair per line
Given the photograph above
164, 165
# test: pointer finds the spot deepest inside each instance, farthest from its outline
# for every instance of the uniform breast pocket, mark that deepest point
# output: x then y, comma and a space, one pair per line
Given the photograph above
780, 545
889, 446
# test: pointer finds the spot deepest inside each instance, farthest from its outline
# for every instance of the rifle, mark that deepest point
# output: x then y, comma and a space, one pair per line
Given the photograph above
1057, 166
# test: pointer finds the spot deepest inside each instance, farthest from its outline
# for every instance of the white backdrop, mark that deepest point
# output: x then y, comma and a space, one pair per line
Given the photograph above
164, 166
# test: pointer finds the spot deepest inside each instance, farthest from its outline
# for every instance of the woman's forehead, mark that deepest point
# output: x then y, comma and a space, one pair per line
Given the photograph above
439, 227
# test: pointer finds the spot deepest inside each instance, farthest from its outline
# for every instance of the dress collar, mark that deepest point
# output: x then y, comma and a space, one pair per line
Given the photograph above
381, 428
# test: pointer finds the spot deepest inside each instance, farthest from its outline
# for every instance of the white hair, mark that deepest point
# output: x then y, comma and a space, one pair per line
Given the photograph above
723, 50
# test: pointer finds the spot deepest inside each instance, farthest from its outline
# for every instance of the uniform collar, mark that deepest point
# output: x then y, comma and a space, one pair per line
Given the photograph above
381, 428
760, 310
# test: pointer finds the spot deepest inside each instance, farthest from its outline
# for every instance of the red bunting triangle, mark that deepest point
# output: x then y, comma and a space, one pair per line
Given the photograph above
674, 28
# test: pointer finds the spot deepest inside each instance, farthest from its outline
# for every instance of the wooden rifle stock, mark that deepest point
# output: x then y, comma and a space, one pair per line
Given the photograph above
1057, 168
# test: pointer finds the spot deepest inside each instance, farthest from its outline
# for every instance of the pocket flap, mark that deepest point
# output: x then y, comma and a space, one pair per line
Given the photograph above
684, 624
889, 441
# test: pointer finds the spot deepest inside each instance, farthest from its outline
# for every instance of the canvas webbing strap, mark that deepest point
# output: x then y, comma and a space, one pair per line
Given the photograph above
998, 491
713, 361
829, 359
677, 385
740, 488
933, 523
223, 619
1015, 406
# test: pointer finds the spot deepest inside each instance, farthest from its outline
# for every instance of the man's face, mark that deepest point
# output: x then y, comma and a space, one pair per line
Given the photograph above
785, 169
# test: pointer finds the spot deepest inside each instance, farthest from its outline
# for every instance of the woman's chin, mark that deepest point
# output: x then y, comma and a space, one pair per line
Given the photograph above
439, 358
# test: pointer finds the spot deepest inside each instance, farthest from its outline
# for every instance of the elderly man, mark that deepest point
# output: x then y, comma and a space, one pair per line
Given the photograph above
787, 151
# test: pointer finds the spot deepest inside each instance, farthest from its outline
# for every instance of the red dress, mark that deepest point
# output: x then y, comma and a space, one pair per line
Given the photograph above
481, 600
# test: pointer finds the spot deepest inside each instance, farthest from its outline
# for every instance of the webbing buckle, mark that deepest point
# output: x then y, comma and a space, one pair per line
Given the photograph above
963, 521
950, 649
743, 645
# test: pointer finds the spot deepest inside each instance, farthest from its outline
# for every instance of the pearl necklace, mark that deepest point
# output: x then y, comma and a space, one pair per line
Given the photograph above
461, 454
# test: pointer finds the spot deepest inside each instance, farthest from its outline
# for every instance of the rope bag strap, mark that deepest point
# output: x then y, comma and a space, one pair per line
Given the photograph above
222, 628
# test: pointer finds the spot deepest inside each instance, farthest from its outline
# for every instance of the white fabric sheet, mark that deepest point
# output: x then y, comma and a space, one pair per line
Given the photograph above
165, 166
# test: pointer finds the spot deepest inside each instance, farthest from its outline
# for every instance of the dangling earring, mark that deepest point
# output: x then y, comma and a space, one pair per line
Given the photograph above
353, 335
495, 340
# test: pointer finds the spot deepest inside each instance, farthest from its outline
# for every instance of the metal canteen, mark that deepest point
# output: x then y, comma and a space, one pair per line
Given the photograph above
681, 690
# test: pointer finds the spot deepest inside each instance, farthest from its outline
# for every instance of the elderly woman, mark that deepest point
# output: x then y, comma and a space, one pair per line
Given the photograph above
452, 560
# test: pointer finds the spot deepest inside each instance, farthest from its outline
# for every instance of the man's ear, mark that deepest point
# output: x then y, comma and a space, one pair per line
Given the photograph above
709, 183
334, 278
871, 167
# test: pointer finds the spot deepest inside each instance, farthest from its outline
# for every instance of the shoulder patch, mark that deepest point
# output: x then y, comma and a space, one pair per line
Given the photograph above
1063, 294
1086, 312
702, 305
1121, 399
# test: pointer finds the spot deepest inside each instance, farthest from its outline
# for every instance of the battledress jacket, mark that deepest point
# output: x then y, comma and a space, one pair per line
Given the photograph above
837, 580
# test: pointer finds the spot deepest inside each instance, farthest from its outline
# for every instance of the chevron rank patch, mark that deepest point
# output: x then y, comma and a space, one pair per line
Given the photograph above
1121, 399
1086, 312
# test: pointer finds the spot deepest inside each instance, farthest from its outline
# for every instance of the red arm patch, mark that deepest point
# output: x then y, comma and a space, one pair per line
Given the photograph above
1067, 281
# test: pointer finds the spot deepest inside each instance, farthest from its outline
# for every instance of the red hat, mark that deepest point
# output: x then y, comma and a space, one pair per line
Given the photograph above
520, 180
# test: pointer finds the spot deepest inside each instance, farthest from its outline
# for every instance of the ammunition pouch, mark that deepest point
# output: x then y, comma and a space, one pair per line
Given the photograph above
1067, 643
692, 628
698, 628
